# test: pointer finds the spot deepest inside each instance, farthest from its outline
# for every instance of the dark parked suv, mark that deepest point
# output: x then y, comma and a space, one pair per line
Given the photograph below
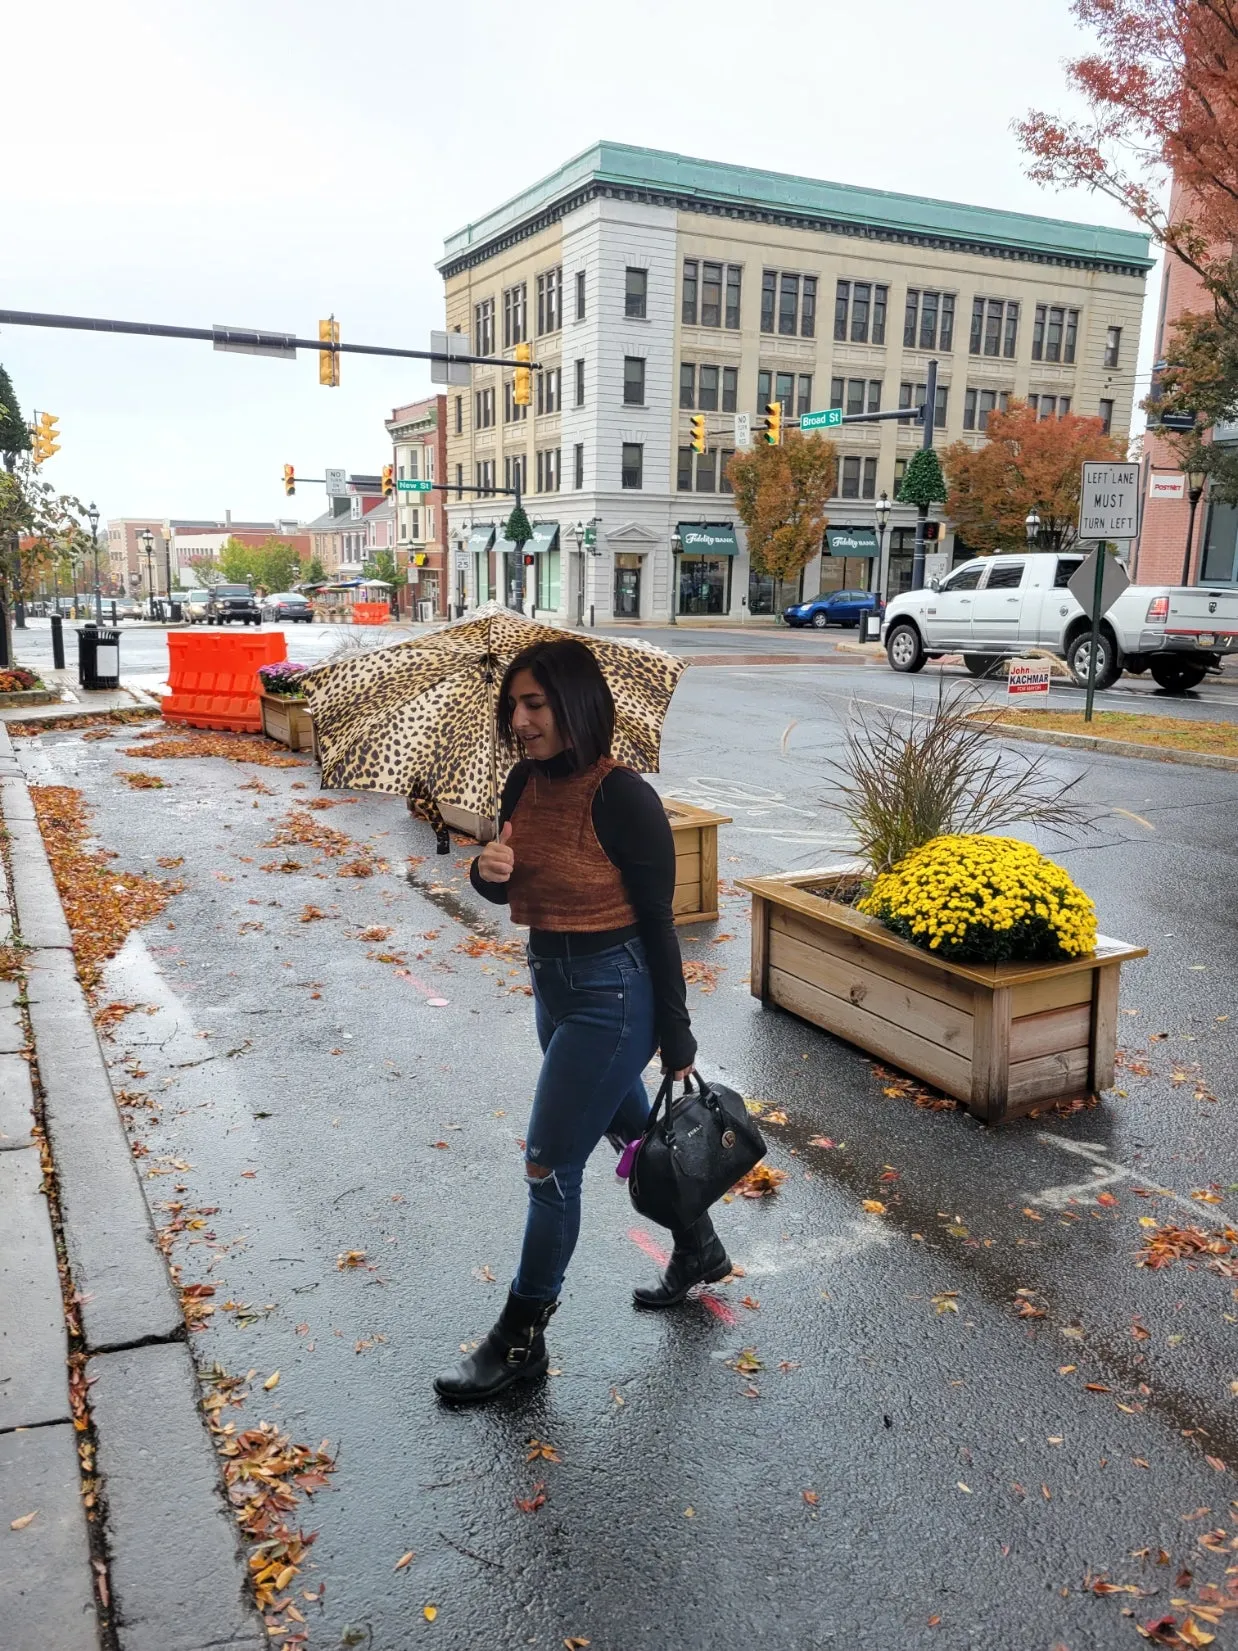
229, 602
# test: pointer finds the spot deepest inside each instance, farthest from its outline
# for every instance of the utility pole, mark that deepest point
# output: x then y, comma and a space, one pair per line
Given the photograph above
926, 441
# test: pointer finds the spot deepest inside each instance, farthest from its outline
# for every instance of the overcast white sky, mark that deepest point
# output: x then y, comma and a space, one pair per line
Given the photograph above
264, 162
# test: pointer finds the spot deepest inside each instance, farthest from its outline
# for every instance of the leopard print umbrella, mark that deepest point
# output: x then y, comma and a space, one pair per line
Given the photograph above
418, 719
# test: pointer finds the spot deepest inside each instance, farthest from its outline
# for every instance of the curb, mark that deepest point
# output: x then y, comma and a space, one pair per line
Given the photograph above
1115, 748
155, 1459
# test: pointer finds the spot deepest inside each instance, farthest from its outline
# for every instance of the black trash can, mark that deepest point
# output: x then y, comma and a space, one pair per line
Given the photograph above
98, 657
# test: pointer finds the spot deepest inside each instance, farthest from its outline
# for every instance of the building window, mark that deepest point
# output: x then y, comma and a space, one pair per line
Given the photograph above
1106, 415
578, 466
784, 392
788, 305
690, 292
548, 470
459, 415
850, 488
485, 473
580, 381
994, 328
632, 468
900, 470
764, 389
414, 525
580, 295
1049, 406
803, 400
515, 315
707, 471
516, 472
1055, 332
708, 394
769, 294
860, 312
978, 404
635, 293
912, 395
808, 307
459, 481
483, 408
483, 327
512, 414
633, 381
687, 384
732, 297
550, 301
683, 474
550, 390
928, 320
711, 295
730, 389
1113, 346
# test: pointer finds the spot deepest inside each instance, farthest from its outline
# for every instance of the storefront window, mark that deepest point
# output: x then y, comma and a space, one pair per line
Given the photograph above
769, 595
1220, 559
481, 561
704, 584
845, 573
627, 585
548, 580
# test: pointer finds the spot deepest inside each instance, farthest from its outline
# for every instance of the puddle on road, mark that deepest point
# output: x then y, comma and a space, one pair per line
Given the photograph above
452, 905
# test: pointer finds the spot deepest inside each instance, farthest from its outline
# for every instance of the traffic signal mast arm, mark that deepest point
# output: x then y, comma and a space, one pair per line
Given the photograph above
244, 336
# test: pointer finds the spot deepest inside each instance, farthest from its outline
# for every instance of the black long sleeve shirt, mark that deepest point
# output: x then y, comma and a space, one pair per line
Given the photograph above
635, 836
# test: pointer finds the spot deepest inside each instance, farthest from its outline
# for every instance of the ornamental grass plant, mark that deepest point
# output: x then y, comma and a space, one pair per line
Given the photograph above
908, 777
978, 899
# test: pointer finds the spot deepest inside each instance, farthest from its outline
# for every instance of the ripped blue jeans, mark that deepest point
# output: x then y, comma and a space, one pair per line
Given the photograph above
595, 1023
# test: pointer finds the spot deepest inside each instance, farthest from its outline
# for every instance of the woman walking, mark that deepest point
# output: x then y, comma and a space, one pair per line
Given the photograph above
586, 859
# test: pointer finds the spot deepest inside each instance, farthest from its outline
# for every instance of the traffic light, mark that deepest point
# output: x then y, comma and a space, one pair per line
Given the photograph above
290, 480
697, 424
328, 360
44, 433
522, 389
773, 423
388, 481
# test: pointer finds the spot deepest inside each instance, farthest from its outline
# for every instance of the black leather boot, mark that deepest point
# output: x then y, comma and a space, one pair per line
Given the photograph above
698, 1258
514, 1351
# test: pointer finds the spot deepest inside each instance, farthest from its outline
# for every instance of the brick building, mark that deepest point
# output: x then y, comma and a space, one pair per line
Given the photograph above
1161, 552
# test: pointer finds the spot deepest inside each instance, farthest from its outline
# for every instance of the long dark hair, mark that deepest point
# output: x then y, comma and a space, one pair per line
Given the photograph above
570, 677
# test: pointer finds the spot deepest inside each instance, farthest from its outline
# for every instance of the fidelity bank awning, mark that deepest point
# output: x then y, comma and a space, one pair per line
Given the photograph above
482, 537
545, 536
707, 539
851, 541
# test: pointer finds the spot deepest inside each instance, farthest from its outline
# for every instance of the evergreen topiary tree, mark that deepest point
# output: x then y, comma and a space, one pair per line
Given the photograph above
14, 436
923, 484
518, 530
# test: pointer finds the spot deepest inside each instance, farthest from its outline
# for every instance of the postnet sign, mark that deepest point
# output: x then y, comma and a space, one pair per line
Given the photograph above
1109, 501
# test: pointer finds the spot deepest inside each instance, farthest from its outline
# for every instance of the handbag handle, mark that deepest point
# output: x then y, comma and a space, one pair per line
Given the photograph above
665, 1099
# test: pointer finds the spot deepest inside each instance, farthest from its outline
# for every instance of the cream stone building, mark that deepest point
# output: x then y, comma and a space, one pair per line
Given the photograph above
653, 286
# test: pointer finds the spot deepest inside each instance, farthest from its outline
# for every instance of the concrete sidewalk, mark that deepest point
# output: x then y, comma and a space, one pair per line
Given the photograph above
90, 1482
76, 701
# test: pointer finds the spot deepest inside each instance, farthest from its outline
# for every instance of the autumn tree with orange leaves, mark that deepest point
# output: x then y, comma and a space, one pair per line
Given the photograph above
1162, 89
1028, 463
780, 495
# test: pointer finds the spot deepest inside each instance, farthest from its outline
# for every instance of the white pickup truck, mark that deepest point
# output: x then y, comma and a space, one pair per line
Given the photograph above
1000, 606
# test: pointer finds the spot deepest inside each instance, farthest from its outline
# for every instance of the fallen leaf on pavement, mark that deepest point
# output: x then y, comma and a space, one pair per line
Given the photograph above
429, 1612
350, 1258
536, 1499
811, 1497
272, 1381
874, 1206
946, 1301
404, 1559
576, 1643
760, 1181
20, 1524
539, 1450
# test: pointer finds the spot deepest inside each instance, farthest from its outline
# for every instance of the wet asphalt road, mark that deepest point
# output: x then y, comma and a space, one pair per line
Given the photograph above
965, 1478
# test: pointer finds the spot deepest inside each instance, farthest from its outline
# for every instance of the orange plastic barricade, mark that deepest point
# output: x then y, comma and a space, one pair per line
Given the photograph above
214, 679
370, 613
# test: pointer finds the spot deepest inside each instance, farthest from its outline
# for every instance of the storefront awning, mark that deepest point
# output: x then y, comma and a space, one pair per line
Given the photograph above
545, 536
851, 541
482, 537
707, 539
502, 546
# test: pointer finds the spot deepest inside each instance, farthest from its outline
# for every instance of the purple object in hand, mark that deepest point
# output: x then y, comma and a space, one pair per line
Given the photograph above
627, 1158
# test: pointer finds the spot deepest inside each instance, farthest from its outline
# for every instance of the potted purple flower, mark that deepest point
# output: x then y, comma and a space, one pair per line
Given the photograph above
285, 710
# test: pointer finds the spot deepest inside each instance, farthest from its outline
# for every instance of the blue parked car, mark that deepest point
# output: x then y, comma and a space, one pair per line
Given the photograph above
835, 607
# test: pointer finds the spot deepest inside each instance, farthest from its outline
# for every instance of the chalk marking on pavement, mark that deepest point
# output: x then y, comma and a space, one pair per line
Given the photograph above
1105, 1174
719, 1308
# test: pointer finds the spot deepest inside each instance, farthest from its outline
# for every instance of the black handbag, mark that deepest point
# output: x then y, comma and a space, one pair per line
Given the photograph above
693, 1150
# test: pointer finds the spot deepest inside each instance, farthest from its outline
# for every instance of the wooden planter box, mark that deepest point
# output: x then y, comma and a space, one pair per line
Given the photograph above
287, 719
1001, 1038
695, 831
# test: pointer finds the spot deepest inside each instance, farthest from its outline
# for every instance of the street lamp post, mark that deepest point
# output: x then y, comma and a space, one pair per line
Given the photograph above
881, 513
92, 516
148, 548
577, 535
676, 548
167, 567
1196, 481
1031, 526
